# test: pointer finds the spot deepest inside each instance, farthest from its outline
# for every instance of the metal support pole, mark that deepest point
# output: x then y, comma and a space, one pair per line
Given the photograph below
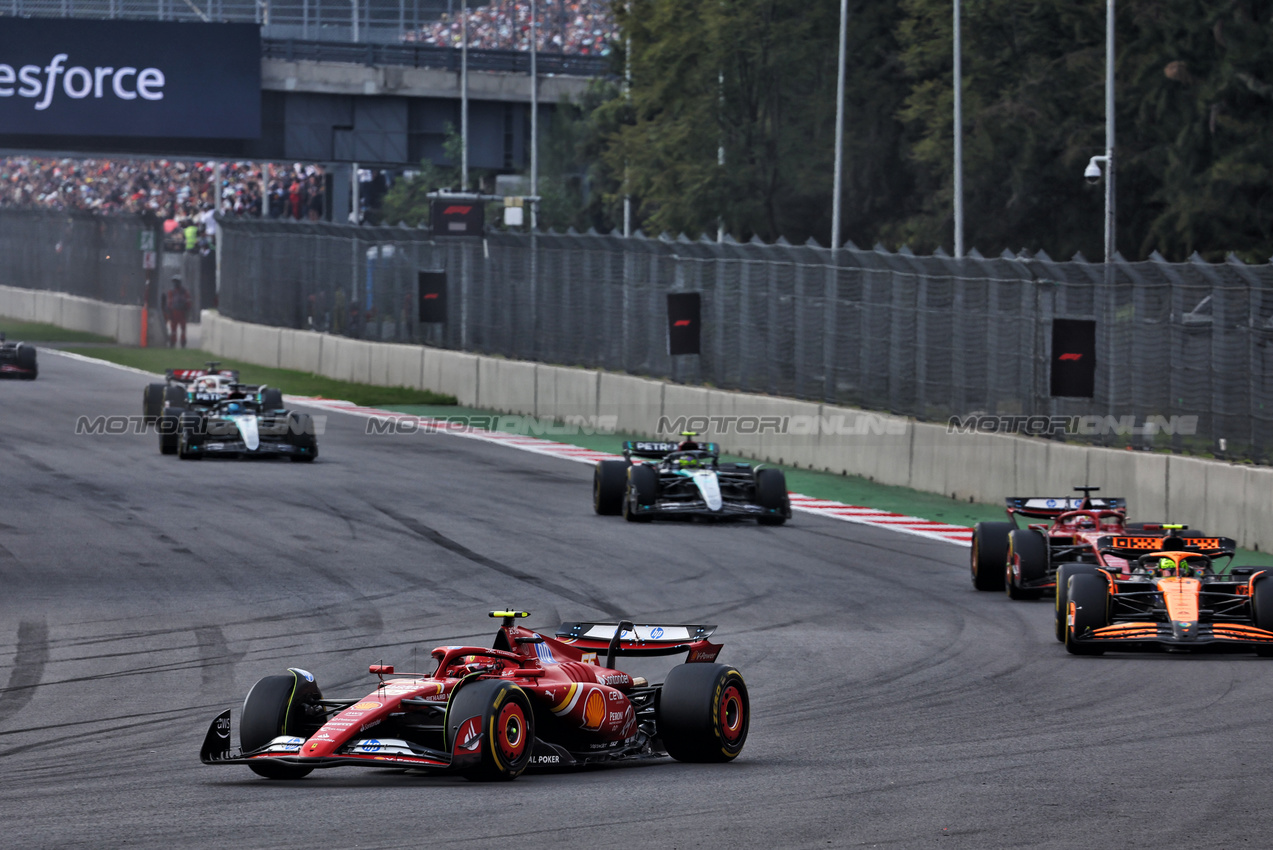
959, 137
838, 184
627, 95
534, 118
1109, 132
464, 96
354, 5
354, 201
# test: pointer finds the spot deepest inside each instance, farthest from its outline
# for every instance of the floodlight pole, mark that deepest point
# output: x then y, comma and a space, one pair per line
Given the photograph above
464, 96
1110, 248
838, 182
959, 137
534, 117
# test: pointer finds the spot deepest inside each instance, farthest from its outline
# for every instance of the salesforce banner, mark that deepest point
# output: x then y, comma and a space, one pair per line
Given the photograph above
129, 78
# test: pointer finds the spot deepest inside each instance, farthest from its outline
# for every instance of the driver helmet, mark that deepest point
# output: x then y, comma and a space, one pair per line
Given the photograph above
1166, 567
688, 444
234, 408
207, 384
688, 462
1084, 522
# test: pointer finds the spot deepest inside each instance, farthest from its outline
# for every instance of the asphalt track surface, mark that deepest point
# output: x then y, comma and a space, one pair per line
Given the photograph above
893, 706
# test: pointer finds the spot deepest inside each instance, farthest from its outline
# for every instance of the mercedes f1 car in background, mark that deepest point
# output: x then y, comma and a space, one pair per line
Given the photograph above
1024, 561
243, 423
687, 479
489, 714
1171, 597
187, 389
17, 360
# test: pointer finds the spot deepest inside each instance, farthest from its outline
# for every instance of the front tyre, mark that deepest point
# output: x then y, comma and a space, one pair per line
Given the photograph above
1026, 561
609, 483
152, 402
771, 494
490, 729
703, 713
1262, 610
1088, 609
275, 706
989, 552
1063, 574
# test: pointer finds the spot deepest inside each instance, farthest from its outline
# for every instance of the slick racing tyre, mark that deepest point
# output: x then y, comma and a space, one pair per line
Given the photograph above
1063, 574
26, 360
174, 396
989, 552
275, 706
152, 403
271, 399
169, 427
300, 427
190, 427
771, 494
703, 713
609, 483
1089, 598
1262, 610
643, 491
491, 725
1026, 561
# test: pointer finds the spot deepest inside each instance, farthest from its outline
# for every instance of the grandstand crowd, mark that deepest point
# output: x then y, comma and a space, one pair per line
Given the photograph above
182, 194
583, 27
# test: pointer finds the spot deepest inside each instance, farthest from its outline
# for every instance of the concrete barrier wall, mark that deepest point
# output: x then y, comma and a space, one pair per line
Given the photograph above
118, 321
1229, 499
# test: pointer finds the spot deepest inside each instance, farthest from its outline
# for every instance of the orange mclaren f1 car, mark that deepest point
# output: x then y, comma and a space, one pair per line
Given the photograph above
1171, 596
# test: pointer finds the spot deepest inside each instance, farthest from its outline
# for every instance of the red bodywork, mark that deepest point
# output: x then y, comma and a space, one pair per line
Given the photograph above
584, 711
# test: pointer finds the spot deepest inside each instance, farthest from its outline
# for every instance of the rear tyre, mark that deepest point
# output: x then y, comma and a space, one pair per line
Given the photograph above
301, 432
26, 360
1262, 610
506, 729
703, 713
1028, 553
1089, 598
271, 399
1063, 574
609, 481
275, 706
771, 494
989, 552
643, 491
152, 403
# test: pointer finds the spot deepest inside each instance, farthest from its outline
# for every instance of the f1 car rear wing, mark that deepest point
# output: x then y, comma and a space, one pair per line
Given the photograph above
1134, 546
185, 376
645, 639
657, 450
1051, 507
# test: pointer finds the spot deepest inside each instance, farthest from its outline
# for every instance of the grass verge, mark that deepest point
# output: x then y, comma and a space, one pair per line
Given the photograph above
17, 331
289, 381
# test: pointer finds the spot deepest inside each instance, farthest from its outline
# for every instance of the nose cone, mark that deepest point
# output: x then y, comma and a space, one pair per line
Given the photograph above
1184, 630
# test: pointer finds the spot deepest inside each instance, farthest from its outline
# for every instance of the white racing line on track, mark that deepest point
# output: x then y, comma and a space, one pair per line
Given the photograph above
549, 448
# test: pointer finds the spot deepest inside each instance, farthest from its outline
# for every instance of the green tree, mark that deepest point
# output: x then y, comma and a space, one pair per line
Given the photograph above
407, 199
756, 77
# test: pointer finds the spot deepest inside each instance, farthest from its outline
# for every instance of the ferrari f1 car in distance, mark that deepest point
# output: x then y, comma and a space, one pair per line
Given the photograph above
489, 714
1024, 561
1172, 597
687, 479
17, 360
243, 424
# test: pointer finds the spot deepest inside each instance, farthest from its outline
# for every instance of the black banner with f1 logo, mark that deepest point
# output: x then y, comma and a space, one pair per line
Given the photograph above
684, 311
458, 218
1073, 358
432, 292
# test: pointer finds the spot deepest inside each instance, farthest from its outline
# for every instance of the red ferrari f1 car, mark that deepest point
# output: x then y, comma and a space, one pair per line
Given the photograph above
490, 713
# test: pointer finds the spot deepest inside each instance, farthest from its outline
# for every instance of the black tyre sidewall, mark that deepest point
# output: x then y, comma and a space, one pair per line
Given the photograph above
1031, 548
988, 554
272, 708
485, 698
771, 494
1063, 575
1089, 594
689, 712
609, 484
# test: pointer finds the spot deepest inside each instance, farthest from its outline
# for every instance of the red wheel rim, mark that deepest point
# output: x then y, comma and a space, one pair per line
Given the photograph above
511, 731
733, 715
